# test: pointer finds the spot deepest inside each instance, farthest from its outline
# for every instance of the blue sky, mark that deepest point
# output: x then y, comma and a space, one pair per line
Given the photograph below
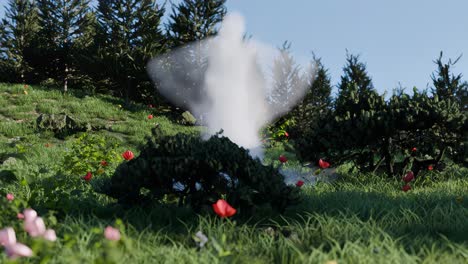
397, 39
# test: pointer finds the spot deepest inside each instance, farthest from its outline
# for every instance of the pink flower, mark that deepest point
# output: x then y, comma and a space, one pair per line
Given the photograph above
29, 214
50, 235
10, 197
7, 236
20, 216
16, 250
35, 227
111, 233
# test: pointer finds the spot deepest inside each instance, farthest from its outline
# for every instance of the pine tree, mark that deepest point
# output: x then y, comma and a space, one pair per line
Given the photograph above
193, 20
287, 80
355, 88
18, 30
447, 85
190, 22
129, 36
63, 24
316, 102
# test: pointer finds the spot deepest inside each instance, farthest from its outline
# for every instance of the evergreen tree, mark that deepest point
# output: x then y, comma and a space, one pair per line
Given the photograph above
287, 80
355, 88
63, 24
316, 103
451, 88
128, 37
17, 31
190, 21
193, 20
447, 85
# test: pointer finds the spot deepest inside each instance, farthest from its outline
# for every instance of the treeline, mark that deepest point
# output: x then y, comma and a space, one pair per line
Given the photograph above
106, 49
405, 132
100, 49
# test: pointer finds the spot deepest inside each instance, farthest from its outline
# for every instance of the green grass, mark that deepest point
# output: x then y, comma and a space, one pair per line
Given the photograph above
361, 218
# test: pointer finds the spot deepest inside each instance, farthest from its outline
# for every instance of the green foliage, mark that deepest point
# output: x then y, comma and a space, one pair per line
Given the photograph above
193, 20
315, 105
200, 172
64, 27
375, 133
128, 36
87, 153
17, 32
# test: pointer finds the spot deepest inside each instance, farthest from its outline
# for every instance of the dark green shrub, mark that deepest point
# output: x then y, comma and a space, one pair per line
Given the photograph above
199, 172
383, 134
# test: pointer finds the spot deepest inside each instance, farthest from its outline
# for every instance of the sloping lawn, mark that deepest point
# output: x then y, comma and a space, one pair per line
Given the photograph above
357, 219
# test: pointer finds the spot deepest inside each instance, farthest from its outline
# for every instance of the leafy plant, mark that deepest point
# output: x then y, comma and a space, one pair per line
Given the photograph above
91, 153
199, 172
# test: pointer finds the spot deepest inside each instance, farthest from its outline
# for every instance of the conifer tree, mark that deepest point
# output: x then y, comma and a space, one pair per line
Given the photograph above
129, 35
287, 80
355, 87
193, 20
190, 22
316, 102
447, 85
63, 24
18, 30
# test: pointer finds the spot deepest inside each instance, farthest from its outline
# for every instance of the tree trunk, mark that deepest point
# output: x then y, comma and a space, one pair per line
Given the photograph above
388, 156
127, 91
65, 81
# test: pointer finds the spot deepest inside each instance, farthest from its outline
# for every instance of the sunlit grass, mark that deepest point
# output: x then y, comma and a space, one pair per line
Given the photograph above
361, 218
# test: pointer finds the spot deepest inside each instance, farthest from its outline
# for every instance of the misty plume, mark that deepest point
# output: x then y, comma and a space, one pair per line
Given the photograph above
231, 83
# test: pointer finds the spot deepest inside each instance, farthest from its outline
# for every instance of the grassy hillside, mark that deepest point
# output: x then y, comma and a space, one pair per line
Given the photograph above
358, 219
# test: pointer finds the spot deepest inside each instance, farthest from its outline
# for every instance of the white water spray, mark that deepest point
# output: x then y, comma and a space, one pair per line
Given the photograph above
224, 82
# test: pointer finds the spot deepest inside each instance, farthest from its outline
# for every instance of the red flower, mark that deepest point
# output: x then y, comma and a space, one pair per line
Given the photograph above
104, 163
409, 177
282, 159
128, 155
430, 167
299, 183
223, 209
414, 149
286, 134
88, 176
323, 164
406, 188
150, 116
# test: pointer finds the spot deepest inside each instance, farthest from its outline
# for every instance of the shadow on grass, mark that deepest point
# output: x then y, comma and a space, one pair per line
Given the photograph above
426, 217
